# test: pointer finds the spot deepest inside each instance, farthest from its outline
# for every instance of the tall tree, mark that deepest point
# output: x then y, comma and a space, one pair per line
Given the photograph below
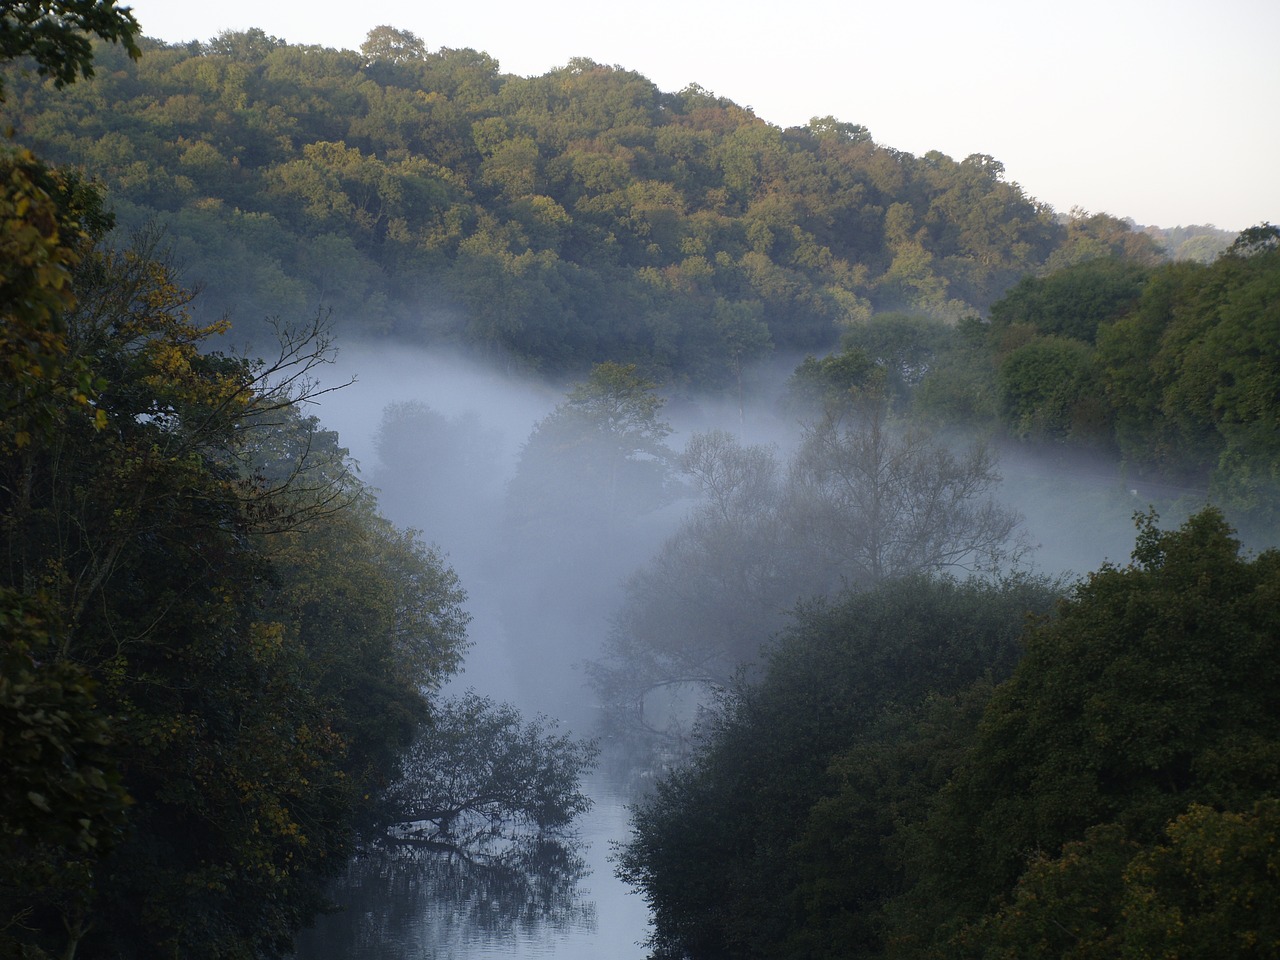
579, 507
878, 501
601, 454
181, 526
384, 43
716, 590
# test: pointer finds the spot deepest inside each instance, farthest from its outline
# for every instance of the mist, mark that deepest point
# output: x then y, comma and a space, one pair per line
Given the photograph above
439, 436
556, 591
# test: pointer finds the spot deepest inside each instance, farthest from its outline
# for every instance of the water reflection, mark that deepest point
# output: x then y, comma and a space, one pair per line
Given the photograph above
559, 900
401, 904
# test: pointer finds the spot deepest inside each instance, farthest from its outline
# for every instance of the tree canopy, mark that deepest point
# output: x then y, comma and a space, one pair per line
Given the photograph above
1140, 725
714, 849
563, 220
905, 781
183, 521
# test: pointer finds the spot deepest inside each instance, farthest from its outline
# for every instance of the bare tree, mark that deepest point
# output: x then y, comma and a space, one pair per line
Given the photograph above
874, 502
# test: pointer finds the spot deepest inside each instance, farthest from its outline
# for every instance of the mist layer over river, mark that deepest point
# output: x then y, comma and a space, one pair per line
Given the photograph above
441, 441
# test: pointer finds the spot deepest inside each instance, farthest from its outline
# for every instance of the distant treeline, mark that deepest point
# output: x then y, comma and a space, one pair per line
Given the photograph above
1170, 369
562, 220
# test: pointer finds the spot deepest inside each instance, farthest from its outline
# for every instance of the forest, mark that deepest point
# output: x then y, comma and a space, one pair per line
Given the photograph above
226, 673
557, 221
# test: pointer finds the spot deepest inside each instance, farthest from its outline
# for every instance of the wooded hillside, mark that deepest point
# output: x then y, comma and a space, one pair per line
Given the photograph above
576, 217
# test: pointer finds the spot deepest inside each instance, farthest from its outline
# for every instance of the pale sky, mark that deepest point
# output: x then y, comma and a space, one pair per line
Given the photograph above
1166, 111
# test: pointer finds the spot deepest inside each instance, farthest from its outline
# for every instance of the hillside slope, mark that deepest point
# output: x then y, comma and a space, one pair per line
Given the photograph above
562, 220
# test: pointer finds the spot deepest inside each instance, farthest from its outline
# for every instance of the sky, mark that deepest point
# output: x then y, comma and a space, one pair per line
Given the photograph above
1163, 111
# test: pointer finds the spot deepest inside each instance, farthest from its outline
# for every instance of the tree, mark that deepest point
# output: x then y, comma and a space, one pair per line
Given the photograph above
480, 776
713, 594
244, 46
57, 35
906, 347
1075, 301
579, 508
1187, 374
959, 389
427, 464
1050, 390
1263, 238
600, 453
1100, 236
185, 529
90, 505
875, 502
1204, 889
849, 859
1242, 348
817, 385
830, 128
741, 328
379, 618
387, 44
1135, 369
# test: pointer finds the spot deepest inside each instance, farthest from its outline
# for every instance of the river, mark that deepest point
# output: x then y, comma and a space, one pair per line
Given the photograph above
437, 910
541, 599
